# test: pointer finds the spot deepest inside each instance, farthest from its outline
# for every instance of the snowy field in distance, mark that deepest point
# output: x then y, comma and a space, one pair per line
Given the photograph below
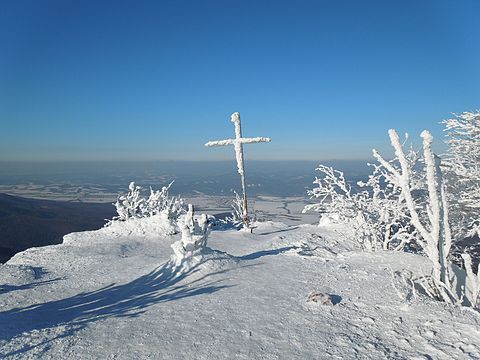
101, 182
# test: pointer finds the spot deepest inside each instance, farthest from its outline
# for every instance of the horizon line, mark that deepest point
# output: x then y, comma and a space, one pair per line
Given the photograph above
178, 160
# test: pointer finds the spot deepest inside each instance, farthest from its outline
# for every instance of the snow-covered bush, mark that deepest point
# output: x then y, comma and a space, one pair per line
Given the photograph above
377, 213
238, 208
160, 201
386, 208
462, 168
135, 205
194, 239
237, 217
337, 200
129, 205
334, 194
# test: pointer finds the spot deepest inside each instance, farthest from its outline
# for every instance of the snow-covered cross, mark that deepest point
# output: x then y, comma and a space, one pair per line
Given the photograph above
238, 145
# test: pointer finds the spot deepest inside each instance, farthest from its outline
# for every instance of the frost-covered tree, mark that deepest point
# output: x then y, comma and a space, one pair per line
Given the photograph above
434, 229
462, 165
404, 201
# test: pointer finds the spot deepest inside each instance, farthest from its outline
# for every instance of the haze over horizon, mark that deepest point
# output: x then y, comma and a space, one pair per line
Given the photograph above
103, 181
155, 80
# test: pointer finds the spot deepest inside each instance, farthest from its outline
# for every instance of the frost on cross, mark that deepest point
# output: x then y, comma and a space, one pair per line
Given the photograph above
238, 146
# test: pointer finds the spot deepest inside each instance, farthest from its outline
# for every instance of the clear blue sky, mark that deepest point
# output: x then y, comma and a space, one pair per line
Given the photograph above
141, 80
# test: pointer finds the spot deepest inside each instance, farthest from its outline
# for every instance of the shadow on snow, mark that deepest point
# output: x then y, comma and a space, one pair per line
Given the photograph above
262, 253
126, 300
9, 288
72, 314
290, 228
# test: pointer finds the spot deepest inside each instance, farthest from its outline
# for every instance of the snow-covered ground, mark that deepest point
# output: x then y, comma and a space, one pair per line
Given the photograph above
110, 294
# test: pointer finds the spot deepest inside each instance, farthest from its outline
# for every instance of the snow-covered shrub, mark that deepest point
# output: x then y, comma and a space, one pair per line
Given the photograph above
377, 213
135, 205
194, 239
129, 205
386, 208
237, 217
337, 200
238, 209
462, 168
334, 195
160, 201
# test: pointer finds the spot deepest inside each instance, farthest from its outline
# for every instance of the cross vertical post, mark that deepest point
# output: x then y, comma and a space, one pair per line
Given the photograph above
238, 146
238, 135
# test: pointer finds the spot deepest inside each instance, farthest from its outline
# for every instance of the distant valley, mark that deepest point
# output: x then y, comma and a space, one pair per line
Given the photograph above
26, 223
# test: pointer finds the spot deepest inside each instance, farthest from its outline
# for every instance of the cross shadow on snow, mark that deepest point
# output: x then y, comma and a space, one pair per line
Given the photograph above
270, 252
279, 231
66, 316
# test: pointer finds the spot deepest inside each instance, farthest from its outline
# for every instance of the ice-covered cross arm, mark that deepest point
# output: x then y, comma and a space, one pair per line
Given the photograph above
238, 142
238, 146
241, 140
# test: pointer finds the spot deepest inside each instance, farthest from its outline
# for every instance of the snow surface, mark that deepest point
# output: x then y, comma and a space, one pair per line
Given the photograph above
111, 294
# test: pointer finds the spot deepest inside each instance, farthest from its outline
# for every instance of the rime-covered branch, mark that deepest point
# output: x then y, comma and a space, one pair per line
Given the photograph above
434, 230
